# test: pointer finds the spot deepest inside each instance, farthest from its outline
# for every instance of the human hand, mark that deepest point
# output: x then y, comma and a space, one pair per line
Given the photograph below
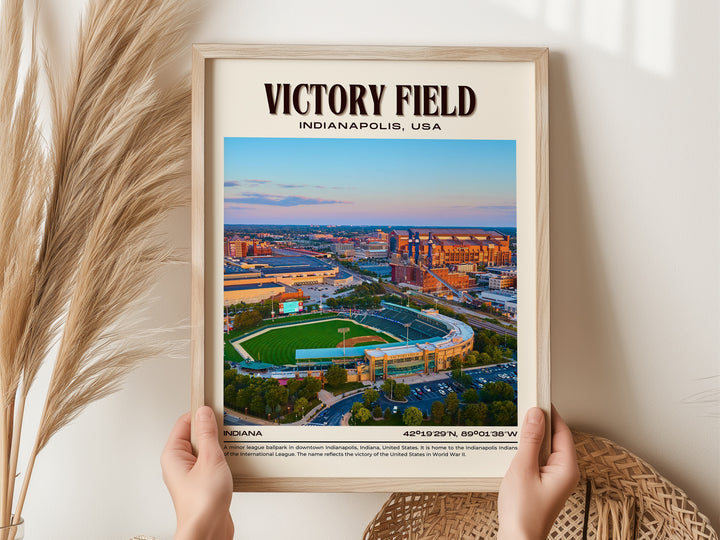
200, 487
531, 496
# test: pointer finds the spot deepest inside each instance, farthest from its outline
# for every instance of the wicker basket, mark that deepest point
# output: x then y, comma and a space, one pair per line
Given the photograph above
619, 497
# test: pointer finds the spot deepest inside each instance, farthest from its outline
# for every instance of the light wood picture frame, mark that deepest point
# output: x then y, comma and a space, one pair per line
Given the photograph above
450, 94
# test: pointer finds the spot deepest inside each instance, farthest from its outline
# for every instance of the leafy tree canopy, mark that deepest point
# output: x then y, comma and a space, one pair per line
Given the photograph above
475, 414
437, 411
301, 405
362, 415
402, 391
336, 375
388, 386
370, 396
503, 413
497, 391
412, 416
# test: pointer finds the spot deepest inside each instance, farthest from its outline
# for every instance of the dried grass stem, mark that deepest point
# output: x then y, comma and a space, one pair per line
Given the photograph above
79, 216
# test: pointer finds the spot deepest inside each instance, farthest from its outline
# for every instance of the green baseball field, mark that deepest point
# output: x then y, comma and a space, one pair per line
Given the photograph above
278, 345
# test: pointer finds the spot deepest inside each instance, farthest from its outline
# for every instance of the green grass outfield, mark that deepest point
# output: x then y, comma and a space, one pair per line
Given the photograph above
231, 355
278, 346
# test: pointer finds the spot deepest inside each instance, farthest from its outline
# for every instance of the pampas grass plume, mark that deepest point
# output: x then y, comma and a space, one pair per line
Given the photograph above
79, 215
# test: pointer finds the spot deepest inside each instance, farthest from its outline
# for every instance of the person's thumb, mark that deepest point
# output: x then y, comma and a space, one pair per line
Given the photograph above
206, 433
531, 438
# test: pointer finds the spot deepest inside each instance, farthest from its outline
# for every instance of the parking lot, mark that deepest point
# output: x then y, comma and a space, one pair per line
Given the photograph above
317, 294
503, 372
423, 394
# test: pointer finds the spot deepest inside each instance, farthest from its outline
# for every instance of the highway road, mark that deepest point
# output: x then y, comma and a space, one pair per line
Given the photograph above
481, 323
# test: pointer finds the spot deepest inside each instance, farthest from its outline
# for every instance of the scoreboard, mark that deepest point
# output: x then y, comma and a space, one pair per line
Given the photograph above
290, 307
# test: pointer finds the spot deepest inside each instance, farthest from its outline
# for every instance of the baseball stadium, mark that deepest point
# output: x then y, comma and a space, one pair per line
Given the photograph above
392, 341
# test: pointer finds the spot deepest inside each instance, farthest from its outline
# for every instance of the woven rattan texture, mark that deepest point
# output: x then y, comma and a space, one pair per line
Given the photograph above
628, 500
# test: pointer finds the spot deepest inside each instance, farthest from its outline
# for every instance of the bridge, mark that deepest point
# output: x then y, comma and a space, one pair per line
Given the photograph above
461, 294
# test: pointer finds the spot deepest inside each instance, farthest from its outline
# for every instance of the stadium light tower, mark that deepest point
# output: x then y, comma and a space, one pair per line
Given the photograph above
343, 331
407, 333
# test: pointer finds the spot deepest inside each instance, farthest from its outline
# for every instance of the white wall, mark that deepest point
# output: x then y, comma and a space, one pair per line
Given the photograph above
634, 117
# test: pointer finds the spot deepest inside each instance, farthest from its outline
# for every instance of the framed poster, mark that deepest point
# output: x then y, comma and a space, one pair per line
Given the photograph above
370, 273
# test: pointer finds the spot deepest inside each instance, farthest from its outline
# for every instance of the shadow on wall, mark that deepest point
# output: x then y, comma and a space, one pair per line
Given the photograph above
587, 349
643, 30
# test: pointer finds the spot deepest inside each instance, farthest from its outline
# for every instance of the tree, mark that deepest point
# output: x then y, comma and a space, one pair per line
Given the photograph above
450, 313
237, 321
503, 413
293, 386
470, 396
388, 386
456, 362
370, 396
244, 397
257, 405
484, 359
437, 411
363, 415
497, 391
336, 375
247, 319
243, 381
276, 396
230, 395
387, 415
475, 414
495, 353
452, 403
311, 387
356, 407
402, 391
301, 406
412, 416
461, 377
377, 411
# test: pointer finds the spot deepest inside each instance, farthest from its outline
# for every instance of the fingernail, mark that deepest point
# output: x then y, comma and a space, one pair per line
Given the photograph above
534, 416
205, 413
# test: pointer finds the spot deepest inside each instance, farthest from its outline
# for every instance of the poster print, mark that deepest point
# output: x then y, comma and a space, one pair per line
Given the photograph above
372, 271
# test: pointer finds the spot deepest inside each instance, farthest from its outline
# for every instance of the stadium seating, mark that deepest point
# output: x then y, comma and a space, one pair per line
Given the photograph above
393, 320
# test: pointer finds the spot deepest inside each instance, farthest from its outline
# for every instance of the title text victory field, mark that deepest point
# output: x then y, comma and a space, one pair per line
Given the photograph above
364, 100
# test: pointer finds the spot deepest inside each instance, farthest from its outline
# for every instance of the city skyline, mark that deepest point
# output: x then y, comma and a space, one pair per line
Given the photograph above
370, 182
367, 225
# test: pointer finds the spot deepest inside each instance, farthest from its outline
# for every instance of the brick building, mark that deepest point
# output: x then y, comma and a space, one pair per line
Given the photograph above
439, 247
503, 281
235, 248
261, 250
416, 275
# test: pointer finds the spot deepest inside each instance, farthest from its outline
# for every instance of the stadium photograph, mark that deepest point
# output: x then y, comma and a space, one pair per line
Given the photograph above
370, 282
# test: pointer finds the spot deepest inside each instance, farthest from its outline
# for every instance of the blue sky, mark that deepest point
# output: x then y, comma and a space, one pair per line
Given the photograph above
433, 182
